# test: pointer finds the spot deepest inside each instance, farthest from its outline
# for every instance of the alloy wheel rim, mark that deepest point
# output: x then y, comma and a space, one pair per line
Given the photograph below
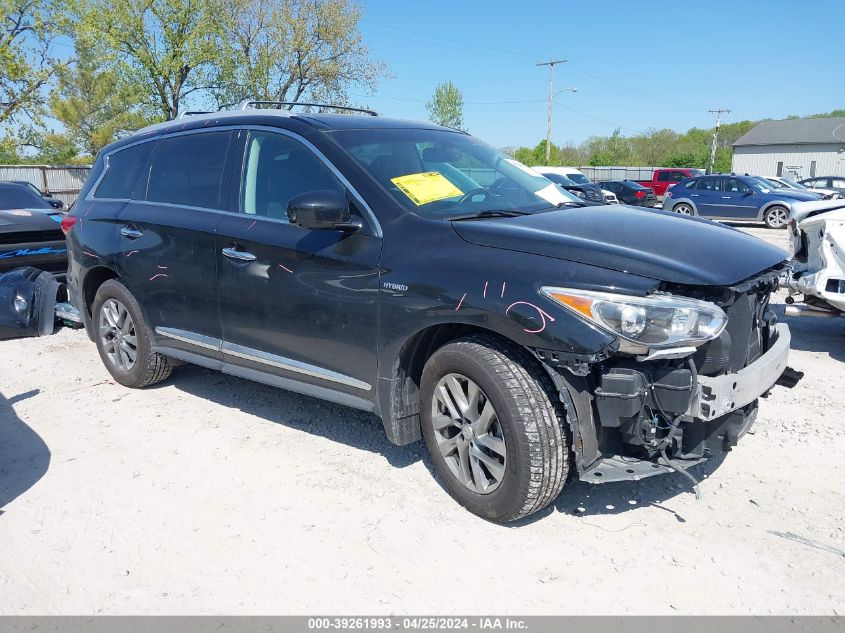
468, 433
117, 335
777, 218
683, 209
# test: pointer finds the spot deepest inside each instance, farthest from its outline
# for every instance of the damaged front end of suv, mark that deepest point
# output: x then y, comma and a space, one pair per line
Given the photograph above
684, 383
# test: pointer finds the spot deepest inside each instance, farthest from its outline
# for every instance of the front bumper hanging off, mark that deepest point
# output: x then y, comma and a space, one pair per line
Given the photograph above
719, 395
719, 412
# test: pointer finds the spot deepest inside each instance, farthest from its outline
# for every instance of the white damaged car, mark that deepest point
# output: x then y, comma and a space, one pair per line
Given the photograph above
817, 240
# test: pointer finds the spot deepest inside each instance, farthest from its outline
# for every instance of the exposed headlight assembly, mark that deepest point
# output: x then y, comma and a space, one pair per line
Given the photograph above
655, 322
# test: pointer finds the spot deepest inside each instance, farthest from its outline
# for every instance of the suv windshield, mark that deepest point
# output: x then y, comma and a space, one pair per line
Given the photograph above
441, 174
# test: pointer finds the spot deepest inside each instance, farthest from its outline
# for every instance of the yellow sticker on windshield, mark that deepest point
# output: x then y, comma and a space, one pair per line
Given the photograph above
426, 187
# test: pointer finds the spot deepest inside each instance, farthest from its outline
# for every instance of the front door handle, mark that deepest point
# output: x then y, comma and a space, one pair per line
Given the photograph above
234, 253
132, 234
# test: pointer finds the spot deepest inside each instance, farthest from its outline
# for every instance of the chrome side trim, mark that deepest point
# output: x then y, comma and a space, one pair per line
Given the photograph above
257, 356
193, 338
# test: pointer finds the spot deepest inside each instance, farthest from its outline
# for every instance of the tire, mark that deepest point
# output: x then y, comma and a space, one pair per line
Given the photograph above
683, 209
529, 431
147, 367
776, 217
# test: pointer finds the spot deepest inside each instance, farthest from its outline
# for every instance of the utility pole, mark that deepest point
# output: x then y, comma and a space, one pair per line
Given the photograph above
551, 65
718, 114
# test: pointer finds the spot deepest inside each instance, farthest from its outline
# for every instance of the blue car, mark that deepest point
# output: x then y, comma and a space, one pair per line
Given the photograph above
731, 197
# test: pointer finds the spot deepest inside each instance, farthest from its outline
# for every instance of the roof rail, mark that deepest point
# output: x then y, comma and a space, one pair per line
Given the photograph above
185, 113
246, 104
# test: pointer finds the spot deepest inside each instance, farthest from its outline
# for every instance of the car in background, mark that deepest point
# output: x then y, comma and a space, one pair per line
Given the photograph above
630, 192
837, 183
732, 197
30, 232
589, 191
664, 178
576, 176
785, 183
44, 195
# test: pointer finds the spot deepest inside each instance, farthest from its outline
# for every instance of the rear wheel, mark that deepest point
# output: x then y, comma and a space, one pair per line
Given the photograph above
123, 338
683, 209
776, 217
495, 436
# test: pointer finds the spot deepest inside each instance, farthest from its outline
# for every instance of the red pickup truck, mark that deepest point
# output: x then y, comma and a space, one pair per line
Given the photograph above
662, 179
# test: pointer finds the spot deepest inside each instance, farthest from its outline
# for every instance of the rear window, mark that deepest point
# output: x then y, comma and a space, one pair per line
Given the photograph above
19, 197
126, 167
188, 170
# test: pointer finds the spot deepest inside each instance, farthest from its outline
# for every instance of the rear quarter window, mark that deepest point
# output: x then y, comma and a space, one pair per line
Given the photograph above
126, 171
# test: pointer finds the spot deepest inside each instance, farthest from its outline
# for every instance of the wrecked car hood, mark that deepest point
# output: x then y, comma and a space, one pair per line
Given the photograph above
653, 244
805, 209
12, 220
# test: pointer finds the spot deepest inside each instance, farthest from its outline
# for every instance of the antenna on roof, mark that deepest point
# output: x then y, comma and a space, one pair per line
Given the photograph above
246, 104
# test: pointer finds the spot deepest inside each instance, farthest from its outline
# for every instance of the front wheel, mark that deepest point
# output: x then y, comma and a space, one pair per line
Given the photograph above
124, 339
683, 209
495, 436
776, 217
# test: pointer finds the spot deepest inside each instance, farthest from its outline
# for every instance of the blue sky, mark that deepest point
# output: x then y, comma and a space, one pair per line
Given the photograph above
636, 65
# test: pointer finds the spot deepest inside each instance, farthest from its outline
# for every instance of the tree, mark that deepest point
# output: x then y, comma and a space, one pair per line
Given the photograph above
291, 50
167, 46
27, 64
96, 104
447, 106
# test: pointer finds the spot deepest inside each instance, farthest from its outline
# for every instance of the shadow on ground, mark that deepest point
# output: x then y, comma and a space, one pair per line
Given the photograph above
24, 457
816, 334
337, 423
364, 431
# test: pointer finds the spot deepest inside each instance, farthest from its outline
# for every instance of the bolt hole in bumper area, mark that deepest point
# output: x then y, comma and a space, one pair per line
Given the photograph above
34, 302
710, 419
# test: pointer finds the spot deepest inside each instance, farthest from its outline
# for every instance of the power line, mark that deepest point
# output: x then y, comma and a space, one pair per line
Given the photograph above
551, 64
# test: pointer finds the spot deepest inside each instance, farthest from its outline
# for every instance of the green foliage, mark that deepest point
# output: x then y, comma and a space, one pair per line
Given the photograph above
96, 104
28, 29
664, 148
165, 46
447, 106
284, 50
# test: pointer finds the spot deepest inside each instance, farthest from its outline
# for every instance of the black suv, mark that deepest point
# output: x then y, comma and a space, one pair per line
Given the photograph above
415, 272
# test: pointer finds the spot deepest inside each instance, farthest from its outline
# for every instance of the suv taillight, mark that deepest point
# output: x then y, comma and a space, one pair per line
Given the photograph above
68, 222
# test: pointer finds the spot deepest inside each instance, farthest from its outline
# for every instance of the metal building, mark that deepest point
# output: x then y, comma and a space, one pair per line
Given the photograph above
792, 148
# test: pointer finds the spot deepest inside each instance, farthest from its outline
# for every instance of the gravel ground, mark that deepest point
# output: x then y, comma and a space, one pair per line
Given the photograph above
211, 494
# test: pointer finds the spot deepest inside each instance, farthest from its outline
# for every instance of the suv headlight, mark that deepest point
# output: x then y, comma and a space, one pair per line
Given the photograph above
657, 321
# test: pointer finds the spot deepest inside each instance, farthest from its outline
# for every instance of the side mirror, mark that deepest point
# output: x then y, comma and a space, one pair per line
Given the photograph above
322, 210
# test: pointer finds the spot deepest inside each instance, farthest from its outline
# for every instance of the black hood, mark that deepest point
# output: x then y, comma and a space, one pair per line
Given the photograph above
14, 220
654, 244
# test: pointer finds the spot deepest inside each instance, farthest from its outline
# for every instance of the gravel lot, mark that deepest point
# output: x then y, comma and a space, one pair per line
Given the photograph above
211, 494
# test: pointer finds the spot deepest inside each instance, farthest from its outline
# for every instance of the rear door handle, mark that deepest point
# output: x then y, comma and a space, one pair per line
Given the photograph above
234, 253
132, 234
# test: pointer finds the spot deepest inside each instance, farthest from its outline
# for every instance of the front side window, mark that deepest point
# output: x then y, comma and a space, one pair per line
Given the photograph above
126, 170
278, 168
442, 175
188, 170
838, 183
666, 176
735, 185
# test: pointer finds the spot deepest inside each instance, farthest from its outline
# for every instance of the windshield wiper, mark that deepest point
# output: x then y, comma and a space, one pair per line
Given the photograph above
488, 213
